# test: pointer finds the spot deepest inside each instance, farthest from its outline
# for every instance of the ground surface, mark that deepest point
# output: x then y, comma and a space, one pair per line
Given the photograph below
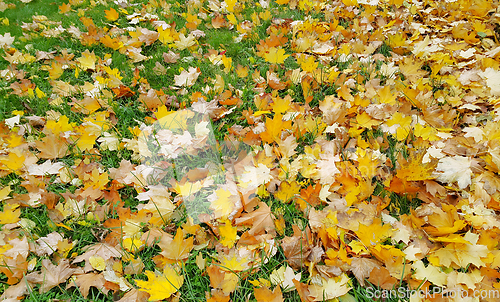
249, 151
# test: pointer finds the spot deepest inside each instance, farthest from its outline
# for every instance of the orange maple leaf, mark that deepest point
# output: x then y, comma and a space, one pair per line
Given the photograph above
111, 14
64, 8
264, 294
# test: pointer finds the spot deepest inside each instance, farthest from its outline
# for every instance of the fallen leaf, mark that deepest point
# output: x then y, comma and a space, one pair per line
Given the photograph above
161, 286
263, 294
51, 275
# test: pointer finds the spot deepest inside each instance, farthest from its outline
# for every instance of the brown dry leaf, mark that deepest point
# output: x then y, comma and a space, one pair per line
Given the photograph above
380, 277
260, 220
159, 69
297, 248
134, 295
218, 21
14, 268
150, 99
217, 295
86, 281
136, 266
187, 78
303, 290
52, 147
102, 250
51, 275
123, 171
148, 36
17, 291
122, 91
171, 57
362, 267
20, 247
48, 244
63, 89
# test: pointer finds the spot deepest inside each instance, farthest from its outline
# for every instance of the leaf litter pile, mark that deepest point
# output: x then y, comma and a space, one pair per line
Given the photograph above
294, 150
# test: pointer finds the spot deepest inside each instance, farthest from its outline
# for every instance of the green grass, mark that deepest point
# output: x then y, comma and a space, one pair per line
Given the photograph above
24, 11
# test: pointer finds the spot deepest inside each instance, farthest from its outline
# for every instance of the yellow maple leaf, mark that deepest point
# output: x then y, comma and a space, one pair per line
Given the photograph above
398, 118
241, 71
230, 5
275, 55
265, 15
86, 141
14, 140
265, 294
39, 94
373, 233
333, 255
460, 254
10, 214
366, 121
232, 19
185, 42
227, 61
162, 112
13, 161
223, 204
229, 283
55, 71
314, 124
287, 190
62, 125
404, 125
132, 245
414, 169
367, 164
281, 105
97, 180
386, 96
187, 188
111, 14
87, 60
444, 221
162, 286
308, 63
425, 132
219, 84
228, 234
351, 197
233, 262
4, 193
168, 35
